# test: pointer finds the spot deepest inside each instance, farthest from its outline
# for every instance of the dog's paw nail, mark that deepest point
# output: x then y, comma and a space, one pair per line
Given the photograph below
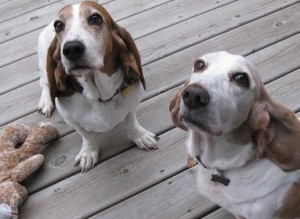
156, 138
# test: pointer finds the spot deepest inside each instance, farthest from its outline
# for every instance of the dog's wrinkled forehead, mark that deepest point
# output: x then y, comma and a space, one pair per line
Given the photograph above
84, 9
223, 66
81, 16
225, 62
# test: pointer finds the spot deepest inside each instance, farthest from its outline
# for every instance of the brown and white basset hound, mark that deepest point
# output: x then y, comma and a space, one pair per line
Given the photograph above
247, 145
90, 68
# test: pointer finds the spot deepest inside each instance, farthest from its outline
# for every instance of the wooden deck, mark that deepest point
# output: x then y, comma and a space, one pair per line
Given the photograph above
170, 34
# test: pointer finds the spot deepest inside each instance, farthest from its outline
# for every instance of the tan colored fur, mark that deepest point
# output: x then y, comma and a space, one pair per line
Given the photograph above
275, 131
18, 163
175, 108
120, 50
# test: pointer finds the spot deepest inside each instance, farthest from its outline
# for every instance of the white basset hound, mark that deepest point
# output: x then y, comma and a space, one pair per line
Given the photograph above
246, 144
90, 67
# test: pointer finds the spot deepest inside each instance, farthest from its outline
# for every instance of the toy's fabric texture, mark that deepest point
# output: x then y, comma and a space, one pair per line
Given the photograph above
18, 163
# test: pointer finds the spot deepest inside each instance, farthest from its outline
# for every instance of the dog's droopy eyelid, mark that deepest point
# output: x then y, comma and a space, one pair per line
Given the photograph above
199, 65
95, 19
58, 26
241, 78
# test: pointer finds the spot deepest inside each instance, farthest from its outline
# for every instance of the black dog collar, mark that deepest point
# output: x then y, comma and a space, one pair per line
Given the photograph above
215, 178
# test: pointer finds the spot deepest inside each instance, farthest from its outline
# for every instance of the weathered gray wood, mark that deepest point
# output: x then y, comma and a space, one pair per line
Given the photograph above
116, 179
104, 186
176, 67
175, 197
14, 8
195, 30
156, 110
244, 40
31, 69
176, 11
38, 19
278, 58
4, 1
19, 74
219, 214
27, 43
289, 86
19, 102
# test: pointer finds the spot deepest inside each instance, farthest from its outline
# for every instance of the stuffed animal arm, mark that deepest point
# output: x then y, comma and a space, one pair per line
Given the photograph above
16, 164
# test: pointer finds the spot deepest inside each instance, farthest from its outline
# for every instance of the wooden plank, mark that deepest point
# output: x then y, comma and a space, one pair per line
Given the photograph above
105, 184
19, 102
40, 18
116, 179
175, 197
187, 57
4, 1
243, 40
200, 28
19, 7
16, 8
235, 41
177, 12
289, 86
19, 74
155, 109
219, 214
26, 45
279, 59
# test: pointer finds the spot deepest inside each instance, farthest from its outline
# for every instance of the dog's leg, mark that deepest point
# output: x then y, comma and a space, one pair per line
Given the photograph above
88, 155
87, 158
45, 104
139, 135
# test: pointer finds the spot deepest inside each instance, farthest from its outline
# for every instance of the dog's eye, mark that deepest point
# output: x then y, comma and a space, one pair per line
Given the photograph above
199, 65
59, 26
95, 19
241, 79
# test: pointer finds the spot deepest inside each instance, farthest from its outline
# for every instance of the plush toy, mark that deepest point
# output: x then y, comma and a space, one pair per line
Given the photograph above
18, 163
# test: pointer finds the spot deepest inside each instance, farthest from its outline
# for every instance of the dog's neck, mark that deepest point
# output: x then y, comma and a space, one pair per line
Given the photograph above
107, 85
225, 152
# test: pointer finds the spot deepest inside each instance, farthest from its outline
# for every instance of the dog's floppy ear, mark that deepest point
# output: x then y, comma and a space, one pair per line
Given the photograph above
54, 69
128, 54
175, 108
276, 133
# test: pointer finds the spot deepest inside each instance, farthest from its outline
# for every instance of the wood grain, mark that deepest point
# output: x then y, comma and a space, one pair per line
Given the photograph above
161, 71
219, 214
128, 182
37, 19
175, 197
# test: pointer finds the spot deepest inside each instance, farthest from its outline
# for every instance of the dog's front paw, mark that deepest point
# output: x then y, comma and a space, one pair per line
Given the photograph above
87, 159
145, 139
45, 105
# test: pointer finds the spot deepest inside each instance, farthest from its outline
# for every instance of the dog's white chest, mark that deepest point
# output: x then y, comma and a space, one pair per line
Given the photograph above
254, 191
96, 116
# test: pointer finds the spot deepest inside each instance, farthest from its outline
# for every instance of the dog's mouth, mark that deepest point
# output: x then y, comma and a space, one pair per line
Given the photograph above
192, 123
82, 68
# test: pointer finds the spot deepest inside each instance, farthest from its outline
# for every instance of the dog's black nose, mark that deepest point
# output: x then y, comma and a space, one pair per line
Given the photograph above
73, 50
195, 96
